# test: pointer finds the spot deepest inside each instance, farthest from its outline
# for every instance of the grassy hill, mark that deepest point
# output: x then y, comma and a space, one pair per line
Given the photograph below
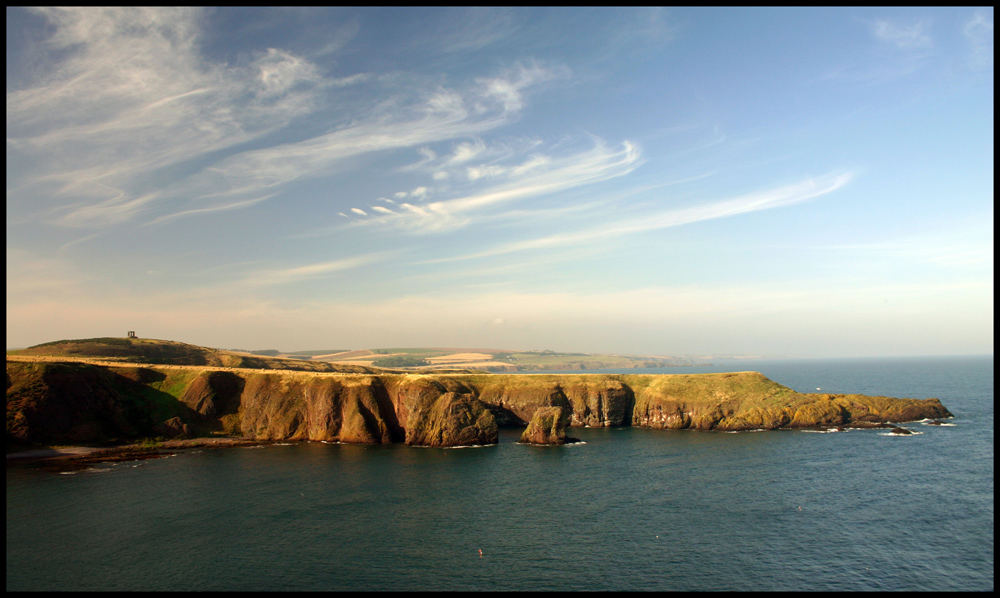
156, 351
437, 359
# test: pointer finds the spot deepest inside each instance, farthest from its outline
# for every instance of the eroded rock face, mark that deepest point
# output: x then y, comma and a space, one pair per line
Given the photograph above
547, 426
368, 416
600, 402
409, 393
521, 401
214, 393
451, 419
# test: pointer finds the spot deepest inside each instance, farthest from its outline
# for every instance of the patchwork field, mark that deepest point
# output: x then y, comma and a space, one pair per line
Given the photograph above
492, 360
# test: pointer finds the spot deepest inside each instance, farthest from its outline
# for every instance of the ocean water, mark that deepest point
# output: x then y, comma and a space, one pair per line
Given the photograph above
626, 509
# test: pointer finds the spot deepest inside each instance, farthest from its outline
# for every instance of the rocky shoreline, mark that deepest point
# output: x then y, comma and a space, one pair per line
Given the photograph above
76, 404
79, 456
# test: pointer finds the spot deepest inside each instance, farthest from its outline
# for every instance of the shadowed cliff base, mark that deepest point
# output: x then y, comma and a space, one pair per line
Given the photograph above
52, 403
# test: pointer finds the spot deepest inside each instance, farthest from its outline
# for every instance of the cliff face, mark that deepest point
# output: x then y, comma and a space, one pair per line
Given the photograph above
64, 402
353, 409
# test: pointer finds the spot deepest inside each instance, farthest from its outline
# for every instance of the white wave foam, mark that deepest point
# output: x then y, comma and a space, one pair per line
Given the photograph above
565, 444
912, 433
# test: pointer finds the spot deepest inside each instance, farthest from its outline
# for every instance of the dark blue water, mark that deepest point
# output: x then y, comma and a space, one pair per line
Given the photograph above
631, 509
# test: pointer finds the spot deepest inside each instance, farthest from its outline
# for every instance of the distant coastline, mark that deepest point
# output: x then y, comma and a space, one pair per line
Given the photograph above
104, 392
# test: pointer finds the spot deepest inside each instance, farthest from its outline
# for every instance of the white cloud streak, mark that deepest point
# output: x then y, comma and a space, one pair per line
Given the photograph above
913, 35
540, 175
978, 32
217, 208
774, 198
444, 114
130, 95
310, 271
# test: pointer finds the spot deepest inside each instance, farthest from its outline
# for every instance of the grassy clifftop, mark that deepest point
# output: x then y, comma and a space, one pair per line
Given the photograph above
156, 351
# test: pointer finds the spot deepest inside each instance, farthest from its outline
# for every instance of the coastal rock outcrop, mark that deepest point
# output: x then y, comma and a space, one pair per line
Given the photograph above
451, 419
749, 400
547, 426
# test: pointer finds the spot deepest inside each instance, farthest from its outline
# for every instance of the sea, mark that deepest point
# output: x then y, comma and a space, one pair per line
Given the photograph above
622, 510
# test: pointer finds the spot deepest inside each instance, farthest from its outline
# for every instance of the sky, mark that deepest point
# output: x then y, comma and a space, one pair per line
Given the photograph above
783, 182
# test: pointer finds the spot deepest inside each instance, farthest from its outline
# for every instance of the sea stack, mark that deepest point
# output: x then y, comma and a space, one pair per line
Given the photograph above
547, 426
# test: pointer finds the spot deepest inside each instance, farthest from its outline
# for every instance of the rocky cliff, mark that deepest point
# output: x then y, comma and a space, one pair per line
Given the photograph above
75, 402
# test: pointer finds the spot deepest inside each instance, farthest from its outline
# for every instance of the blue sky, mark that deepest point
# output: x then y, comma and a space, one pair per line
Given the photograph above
663, 181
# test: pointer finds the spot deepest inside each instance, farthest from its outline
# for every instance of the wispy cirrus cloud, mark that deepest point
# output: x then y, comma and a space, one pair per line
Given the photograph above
437, 115
113, 131
535, 176
744, 204
237, 205
278, 276
480, 27
902, 35
127, 93
978, 32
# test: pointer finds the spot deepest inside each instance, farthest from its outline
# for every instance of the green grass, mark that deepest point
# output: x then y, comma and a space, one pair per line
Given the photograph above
175, 382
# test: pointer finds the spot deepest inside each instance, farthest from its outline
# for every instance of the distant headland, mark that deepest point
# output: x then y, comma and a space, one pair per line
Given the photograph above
117, 391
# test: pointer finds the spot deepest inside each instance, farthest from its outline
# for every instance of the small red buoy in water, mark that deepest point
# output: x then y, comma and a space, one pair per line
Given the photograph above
480, 553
